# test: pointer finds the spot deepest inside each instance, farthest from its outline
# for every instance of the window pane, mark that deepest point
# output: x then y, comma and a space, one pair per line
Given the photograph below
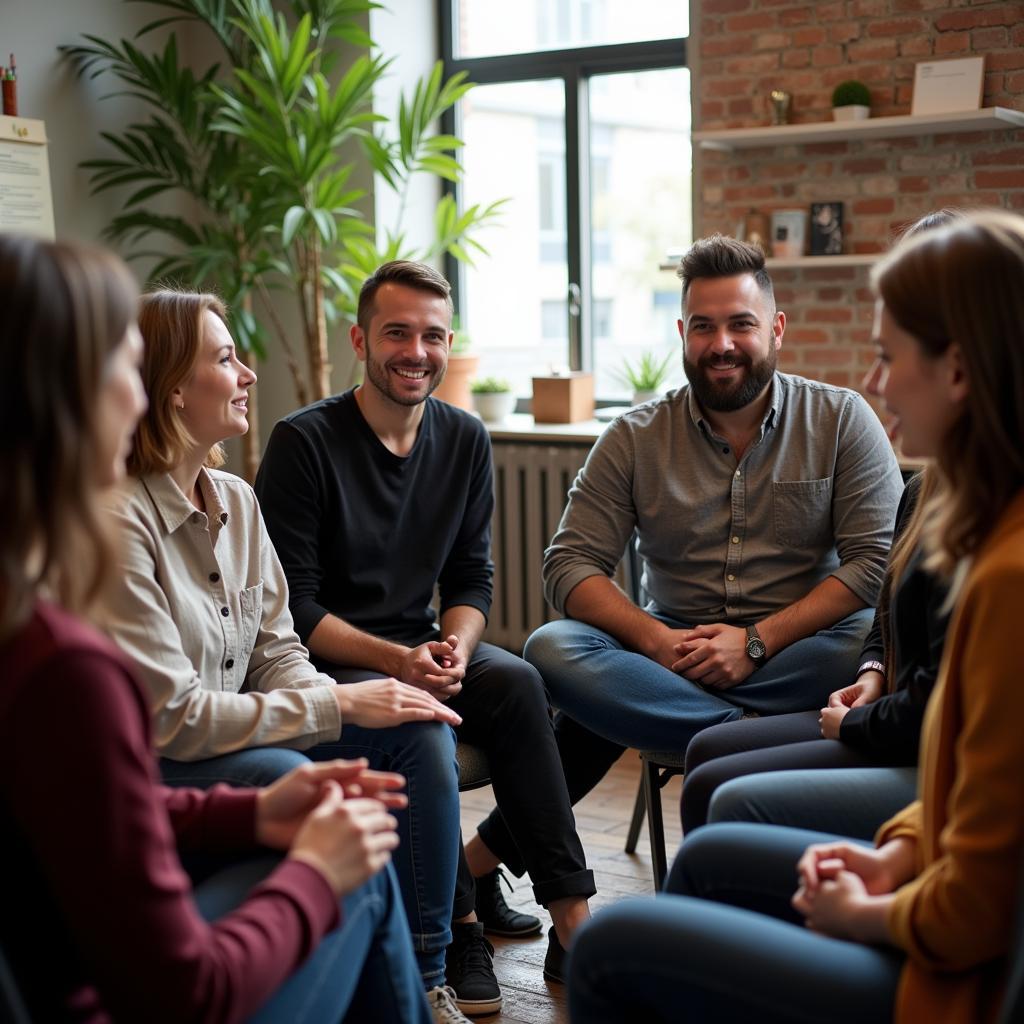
514, 302
640, 209
486, 28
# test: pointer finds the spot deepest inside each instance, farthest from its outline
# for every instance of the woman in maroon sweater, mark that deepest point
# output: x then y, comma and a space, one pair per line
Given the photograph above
100, 921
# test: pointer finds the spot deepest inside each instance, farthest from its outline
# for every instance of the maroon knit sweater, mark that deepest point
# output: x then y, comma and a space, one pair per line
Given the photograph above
98, 919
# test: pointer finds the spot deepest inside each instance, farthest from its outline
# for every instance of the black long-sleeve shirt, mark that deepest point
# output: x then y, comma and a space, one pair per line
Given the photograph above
917, 629
365, 534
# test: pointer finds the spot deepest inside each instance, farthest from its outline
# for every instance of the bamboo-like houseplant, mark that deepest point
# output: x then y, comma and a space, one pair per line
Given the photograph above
264, 148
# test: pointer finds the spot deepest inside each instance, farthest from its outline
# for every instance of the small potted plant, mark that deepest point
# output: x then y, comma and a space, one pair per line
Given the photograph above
851, 101
462, 367
492, 399
646, 376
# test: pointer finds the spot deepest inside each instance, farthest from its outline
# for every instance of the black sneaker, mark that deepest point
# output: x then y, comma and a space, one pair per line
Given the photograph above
554, 960
470, 970
497, 916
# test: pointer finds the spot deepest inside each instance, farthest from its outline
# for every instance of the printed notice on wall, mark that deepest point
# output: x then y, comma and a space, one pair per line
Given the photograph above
26, 204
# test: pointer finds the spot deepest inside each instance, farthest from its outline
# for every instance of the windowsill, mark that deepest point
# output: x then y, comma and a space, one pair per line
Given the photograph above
521, 427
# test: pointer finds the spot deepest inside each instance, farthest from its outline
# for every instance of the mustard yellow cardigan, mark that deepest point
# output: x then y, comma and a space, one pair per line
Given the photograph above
954, 919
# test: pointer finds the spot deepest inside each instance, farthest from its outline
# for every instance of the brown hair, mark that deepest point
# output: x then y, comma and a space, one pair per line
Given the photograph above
404, 272
171, 323
66, 309
721, 256
964, 284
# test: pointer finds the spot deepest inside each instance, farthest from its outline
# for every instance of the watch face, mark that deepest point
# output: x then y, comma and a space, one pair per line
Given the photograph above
756, 648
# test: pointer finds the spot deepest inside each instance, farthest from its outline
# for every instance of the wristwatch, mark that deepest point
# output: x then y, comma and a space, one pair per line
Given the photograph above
756, 650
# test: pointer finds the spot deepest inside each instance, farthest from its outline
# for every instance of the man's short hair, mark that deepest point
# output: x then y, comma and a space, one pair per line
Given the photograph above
404, 272
721, 256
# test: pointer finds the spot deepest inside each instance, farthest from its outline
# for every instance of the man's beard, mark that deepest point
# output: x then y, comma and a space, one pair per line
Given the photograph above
728, 396
379, 376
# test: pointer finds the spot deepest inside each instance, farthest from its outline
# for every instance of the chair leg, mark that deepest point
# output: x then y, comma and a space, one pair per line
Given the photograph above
655, 823
639, 807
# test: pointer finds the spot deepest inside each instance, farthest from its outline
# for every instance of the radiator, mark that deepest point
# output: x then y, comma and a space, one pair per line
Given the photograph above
531, 482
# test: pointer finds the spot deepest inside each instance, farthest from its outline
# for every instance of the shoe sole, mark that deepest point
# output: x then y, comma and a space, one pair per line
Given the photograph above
478, 1007
556, 978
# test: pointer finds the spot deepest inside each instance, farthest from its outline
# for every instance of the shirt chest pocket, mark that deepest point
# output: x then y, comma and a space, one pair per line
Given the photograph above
250, 614
803, 512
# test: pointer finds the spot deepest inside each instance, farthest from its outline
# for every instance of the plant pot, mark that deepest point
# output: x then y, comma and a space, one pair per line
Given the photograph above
639, 397
493, 406
851, 112
454, 389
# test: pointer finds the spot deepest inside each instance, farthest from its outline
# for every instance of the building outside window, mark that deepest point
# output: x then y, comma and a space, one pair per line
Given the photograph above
582, 119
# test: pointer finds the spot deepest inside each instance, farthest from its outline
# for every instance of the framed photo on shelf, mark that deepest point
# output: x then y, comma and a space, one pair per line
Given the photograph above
789, 231
826, 229
948, 86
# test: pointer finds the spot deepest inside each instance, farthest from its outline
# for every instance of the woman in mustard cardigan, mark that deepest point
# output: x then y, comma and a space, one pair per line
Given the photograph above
917, 928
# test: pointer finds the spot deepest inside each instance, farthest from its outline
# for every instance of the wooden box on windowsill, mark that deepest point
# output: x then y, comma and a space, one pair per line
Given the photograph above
567, 398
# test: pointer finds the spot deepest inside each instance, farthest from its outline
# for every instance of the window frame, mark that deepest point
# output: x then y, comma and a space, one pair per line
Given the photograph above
575, 67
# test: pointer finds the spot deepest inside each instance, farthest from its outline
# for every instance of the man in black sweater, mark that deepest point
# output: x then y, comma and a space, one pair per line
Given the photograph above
373, 497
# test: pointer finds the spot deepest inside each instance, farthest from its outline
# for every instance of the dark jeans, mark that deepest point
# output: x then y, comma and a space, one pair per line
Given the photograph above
504, 711
779, 743
726, 946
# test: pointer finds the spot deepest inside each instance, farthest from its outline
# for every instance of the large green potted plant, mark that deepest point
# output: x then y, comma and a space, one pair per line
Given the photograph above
265, 147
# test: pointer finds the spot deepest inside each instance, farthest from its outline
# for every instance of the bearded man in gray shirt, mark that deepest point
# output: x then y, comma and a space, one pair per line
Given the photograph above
763, 506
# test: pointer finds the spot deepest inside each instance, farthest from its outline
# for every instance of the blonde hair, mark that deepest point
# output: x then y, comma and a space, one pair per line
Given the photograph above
66, 310
171, 323
963, 284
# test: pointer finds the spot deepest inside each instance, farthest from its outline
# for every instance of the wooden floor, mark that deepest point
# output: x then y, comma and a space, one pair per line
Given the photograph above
602, 819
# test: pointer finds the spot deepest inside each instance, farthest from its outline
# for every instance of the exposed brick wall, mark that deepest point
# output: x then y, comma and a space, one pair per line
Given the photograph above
748, 47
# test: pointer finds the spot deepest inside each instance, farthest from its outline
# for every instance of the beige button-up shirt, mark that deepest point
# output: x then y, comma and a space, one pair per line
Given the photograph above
201, 605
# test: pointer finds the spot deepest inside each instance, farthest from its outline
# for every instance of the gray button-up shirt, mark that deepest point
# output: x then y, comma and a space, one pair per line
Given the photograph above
201, 605
814, 495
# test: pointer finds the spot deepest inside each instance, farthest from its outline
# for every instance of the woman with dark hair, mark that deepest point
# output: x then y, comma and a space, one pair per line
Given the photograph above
917, 928
100, 921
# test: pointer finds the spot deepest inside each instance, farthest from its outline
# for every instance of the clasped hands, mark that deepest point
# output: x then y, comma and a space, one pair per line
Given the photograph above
844, 889
714, 655
867, 689
438, 666
334, 816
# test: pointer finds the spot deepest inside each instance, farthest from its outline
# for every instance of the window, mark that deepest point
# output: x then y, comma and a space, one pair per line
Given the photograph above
581, 117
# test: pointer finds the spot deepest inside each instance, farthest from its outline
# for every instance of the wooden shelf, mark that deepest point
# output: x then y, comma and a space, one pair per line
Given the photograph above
856, 259
986, 119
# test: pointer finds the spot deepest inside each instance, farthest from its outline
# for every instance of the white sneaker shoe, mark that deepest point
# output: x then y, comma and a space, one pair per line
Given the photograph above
441, 1001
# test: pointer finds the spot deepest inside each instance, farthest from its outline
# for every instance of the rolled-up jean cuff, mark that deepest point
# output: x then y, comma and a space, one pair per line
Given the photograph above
579, 883
498, 841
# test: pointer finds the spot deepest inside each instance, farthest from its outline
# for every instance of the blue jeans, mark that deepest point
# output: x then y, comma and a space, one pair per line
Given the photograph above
363, 970
426, 858
689, 956
849, 801
632, 701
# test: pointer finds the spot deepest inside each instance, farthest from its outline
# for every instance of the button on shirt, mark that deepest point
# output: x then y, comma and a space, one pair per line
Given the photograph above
201, 605
814, 496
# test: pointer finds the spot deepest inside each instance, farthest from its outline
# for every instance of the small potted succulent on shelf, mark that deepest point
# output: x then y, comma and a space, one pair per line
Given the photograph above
851, 101
492, 399
646, 376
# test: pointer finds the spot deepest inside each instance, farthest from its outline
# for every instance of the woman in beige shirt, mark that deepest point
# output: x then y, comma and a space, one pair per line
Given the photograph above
201, 605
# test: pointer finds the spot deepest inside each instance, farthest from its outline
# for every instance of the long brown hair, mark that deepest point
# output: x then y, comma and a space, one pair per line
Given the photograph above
66, 309
171, 323
964, 284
